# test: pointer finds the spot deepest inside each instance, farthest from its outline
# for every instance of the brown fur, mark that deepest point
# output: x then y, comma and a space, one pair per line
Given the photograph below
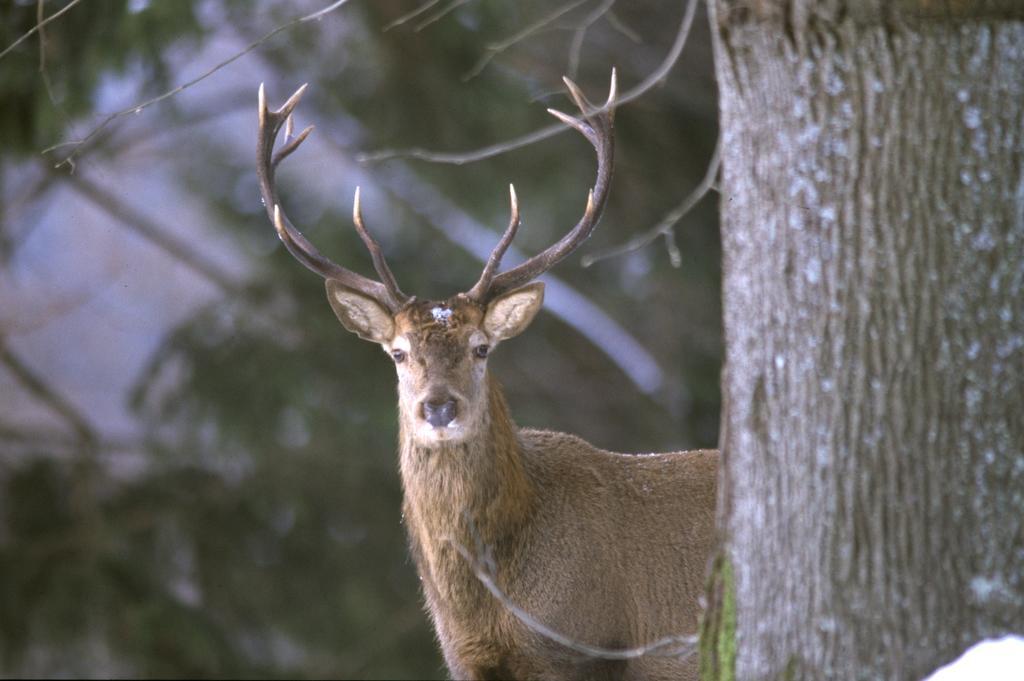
607, 549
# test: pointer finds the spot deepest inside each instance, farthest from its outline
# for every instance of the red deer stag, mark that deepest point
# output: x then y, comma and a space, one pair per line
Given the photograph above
541, 556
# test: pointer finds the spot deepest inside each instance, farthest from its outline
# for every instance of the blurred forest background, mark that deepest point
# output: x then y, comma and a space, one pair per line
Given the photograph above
197, 463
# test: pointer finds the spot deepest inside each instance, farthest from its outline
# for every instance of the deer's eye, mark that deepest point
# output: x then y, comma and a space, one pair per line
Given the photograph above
481, 351
398, 356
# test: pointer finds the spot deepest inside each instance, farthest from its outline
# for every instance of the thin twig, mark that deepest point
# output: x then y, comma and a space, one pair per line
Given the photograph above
665, 226
43, 71
39, 25
460, 158
678, 646
440, 14
42, 51
110, 118
580, 34
574, 308
494, 49
411, 15
615, 22
226, 105
12, 213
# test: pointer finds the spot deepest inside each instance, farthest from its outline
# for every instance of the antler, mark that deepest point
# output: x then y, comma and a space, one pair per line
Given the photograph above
597, 126
386, 290
480, 289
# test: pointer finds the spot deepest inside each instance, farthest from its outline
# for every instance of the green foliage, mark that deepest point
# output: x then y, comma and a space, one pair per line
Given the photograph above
186, 573
290, 557
96, 40
718, 629
255, 530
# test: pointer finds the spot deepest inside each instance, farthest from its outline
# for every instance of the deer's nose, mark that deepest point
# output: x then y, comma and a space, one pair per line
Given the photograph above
439, 412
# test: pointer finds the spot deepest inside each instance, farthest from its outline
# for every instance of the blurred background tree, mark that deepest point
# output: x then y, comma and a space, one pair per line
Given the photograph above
197, 472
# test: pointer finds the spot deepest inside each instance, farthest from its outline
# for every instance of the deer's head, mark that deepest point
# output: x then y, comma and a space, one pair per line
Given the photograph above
439, 348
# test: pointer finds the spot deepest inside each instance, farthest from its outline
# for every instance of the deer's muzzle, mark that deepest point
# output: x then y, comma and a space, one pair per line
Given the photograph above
439, 412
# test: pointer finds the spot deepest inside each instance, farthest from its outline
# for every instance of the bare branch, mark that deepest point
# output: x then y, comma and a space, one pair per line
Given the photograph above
598, 129
616, 23
580, 34
494, 49
39, 25
574, 308
441, 13
225, 105
459, 158
42, 49
567, 304
44, 73
409, 16
386, 291
136, 108
680, 646
666, 225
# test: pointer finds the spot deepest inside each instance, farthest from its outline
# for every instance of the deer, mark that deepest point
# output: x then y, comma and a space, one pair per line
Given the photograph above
540, 555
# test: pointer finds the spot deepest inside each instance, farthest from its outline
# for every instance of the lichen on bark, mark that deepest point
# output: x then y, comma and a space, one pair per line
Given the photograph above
718, 628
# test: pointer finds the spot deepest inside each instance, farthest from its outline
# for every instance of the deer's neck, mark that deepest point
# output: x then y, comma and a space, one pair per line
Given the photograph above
468, 501
471, 491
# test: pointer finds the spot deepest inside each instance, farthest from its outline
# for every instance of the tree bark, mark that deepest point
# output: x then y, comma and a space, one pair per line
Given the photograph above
872, 497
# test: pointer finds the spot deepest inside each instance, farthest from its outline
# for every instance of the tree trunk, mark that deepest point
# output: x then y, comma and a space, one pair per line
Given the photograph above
872, 503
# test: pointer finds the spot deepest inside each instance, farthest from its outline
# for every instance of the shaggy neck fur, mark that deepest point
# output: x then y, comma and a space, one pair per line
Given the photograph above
473, 493
479, 479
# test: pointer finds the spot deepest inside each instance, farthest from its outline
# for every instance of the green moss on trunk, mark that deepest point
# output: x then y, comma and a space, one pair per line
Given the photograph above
718, 627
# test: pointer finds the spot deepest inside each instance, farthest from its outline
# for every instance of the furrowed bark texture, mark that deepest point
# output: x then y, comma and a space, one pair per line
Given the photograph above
873, 227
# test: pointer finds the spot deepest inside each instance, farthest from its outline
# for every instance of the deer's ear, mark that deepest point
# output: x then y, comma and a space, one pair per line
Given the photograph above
510, 313
359, 313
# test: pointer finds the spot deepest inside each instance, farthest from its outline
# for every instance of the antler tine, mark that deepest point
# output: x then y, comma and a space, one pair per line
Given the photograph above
591, 124
597, 125
581, 101
379, 263
479, 290
292, 144
270, 123
613, 92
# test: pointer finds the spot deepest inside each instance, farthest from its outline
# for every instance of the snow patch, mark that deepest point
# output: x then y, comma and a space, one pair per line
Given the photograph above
992, 660
442, 315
